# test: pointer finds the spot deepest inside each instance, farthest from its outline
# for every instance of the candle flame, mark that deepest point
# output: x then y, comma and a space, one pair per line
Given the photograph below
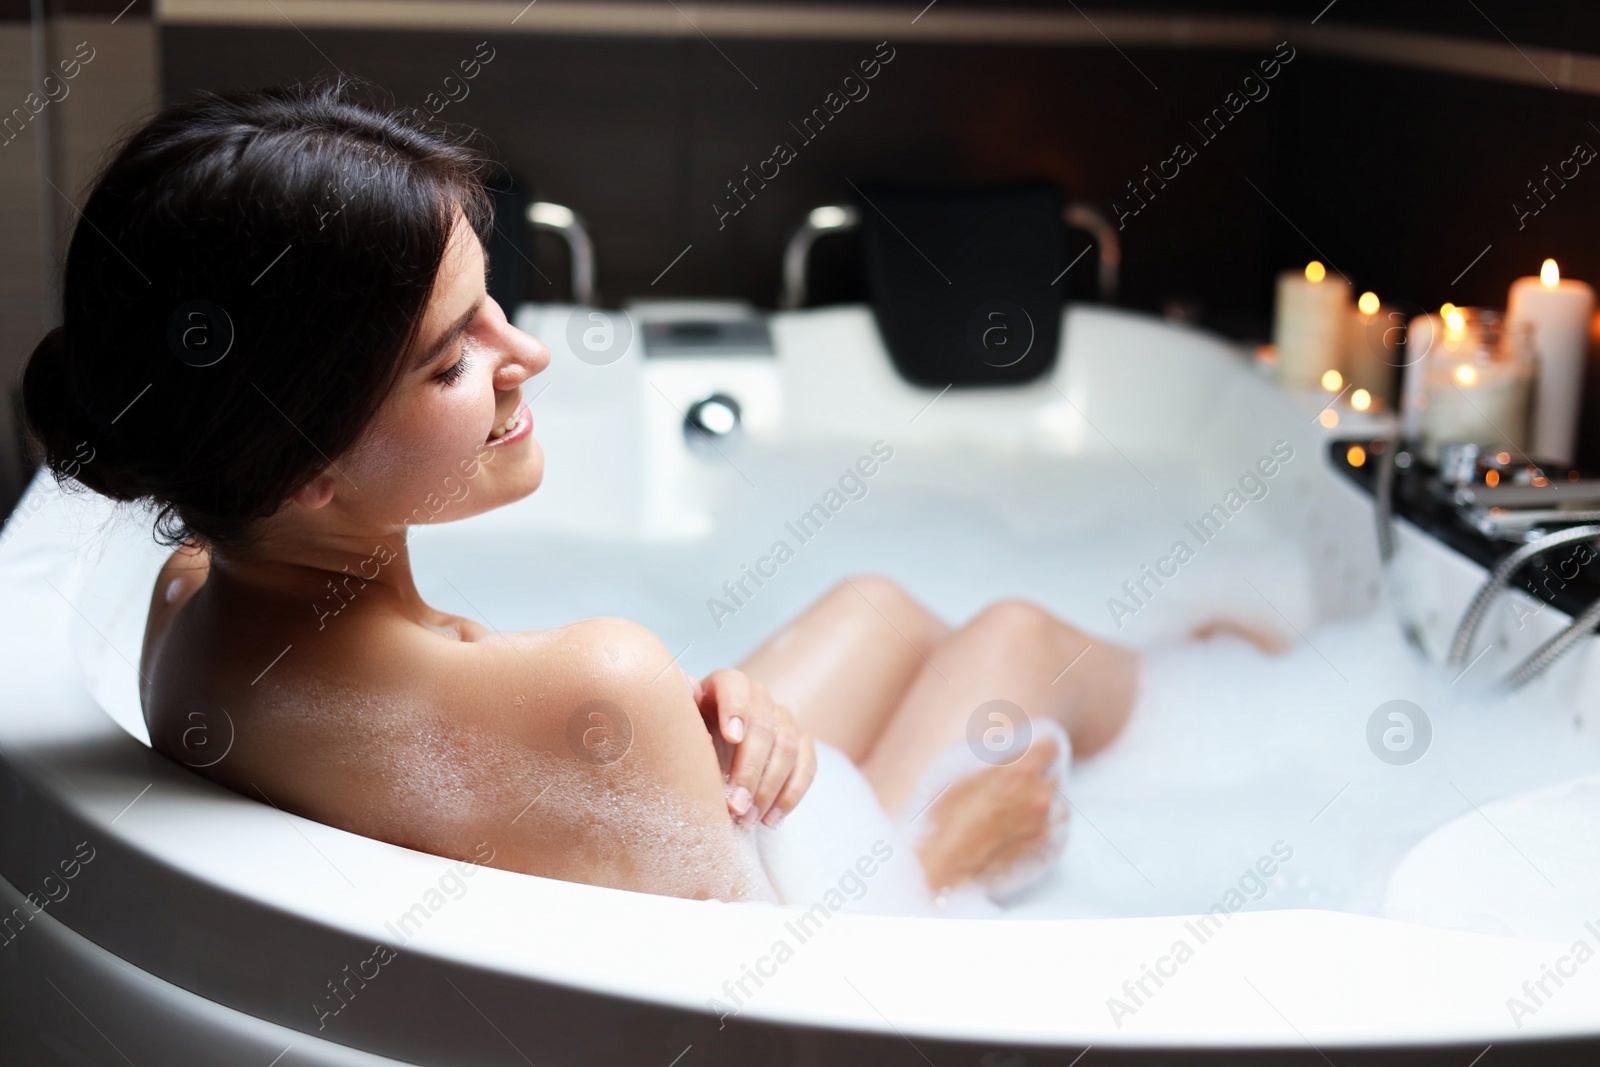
1466, 375
1315, 271
1368, 303
1332, 381
1446, 308
1356, 456
1361, 400
1455, 323
1491, 478
1550, 274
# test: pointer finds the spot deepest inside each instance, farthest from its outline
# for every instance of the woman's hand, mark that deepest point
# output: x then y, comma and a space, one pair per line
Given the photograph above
773, 760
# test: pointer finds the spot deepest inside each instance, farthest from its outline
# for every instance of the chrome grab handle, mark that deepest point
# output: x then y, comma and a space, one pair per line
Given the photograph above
842, 218
830, 218
1084, 217
564, 222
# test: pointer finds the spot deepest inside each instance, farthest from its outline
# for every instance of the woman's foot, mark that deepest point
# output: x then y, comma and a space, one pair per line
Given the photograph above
1273, 644
988, 823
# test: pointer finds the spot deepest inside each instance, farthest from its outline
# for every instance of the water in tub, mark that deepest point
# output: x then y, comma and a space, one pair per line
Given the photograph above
1234, 763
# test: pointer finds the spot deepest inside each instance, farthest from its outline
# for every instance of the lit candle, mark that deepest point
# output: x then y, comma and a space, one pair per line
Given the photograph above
1558, 310
1371, 352
1484, 404
1310, 325
1476, 389
1422, 333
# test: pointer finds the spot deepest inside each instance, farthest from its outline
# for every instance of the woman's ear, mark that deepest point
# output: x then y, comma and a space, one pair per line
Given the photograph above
314, 494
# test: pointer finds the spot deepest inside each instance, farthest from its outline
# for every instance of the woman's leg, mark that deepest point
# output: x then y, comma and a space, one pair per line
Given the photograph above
1012, 650
845, 663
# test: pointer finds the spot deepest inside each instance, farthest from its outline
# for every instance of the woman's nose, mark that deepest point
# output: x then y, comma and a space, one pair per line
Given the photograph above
523, 357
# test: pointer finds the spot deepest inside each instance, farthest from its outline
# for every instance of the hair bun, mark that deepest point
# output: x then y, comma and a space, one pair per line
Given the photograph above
61, 428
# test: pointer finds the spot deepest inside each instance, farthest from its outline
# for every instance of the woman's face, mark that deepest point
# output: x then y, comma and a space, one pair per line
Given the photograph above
454, 438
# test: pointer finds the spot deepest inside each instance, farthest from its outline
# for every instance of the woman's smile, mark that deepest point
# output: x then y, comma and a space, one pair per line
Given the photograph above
516, 427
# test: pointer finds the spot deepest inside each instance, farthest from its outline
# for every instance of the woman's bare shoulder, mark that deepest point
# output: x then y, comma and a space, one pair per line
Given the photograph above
544, 684
183, 573
593, 762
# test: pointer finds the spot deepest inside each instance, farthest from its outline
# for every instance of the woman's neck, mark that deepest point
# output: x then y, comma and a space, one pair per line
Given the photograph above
308, 558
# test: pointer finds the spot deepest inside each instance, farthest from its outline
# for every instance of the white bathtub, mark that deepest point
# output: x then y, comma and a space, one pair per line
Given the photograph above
209, 928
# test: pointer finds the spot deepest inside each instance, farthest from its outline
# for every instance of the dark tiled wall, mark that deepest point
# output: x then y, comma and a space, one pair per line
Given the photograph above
641, 137
1404, 177
1416, 185
1398, 177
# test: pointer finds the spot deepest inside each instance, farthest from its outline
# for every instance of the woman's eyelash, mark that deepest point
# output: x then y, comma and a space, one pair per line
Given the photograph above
452, 374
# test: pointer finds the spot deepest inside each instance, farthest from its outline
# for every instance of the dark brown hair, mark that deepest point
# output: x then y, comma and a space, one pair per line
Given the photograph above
239, 292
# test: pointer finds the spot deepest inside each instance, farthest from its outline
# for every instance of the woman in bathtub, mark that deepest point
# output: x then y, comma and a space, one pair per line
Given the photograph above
276, 331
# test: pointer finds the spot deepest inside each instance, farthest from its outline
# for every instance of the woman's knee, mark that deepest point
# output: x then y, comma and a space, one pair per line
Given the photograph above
1016, 615
881, 591
1017, 622
879, 595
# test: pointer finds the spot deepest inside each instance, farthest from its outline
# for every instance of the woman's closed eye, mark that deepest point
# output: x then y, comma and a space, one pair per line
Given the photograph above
452, 374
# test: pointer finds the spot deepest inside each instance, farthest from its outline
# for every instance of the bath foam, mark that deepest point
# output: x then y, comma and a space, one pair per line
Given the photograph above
957, 762
838, 848
1229, 749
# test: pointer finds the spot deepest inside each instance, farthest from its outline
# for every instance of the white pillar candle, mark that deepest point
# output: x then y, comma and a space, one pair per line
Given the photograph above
1559, 311
1475, 403
1310, 325
1422, 333
1372, 350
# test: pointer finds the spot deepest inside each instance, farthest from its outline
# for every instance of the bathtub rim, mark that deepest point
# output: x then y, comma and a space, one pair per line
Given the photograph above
95, 802
623, 984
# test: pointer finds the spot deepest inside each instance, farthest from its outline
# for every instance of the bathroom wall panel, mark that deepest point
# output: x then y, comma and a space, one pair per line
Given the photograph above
642, 137
71, 131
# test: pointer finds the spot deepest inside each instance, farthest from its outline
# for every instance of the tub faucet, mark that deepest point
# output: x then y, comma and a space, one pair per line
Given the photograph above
564, 222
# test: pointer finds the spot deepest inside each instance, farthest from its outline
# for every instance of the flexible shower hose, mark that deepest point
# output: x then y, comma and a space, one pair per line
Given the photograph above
1553, 649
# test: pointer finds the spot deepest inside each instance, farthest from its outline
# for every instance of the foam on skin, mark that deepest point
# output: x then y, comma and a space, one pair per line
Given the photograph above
439, 785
